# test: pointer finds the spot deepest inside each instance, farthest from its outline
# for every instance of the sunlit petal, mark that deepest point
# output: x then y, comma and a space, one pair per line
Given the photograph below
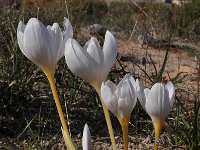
141, 93
76, 59
57, 36
56, 40
68, 33
111, 85
109, 97
20, 36
120, 99
109, 51
170, 88
157, 102
146, 92
68, 29
127, 99
37, 43
95, 51
126, 77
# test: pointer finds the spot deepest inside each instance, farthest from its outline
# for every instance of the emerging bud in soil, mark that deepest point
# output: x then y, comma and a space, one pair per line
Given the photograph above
86, 139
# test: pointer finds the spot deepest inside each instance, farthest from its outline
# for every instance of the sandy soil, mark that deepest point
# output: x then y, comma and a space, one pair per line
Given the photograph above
179, 62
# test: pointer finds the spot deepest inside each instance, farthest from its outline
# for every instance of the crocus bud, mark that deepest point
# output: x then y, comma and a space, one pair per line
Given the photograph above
86, 139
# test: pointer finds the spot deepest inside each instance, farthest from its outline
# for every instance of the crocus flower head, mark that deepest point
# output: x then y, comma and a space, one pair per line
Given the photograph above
120, 99
86, 139
157, 102
43, 45
91, 62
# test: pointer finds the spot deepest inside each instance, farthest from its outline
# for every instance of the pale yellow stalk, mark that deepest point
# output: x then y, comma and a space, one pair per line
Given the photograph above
67, 138
124, 124
158, 125
97, 87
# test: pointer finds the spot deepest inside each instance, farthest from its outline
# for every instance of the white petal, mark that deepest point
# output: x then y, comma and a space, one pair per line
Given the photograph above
146, 92
21, 27
170, 88
123, 112
140, 93
111, 85
68, 29
133, 82
109, 99
109, 52
48, 27
95, 57
68, 33
123, 79
128, 87
76, 59
95, 51
86, 139
127, 99
127, 77
56, 41
20, 35
86, 45
157, 102
37, 43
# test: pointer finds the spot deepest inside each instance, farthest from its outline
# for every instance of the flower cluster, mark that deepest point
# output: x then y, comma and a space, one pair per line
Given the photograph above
45, 46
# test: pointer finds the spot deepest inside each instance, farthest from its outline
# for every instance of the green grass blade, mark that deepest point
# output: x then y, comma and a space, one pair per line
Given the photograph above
25, 128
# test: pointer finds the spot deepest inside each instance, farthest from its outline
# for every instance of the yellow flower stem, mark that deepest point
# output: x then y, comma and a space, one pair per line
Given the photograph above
124, 124
107, 116
67, 138
158, 124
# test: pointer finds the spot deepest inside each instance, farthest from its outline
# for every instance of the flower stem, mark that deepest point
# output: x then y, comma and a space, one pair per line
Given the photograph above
124, 125
67, 138
158, 124
108, 121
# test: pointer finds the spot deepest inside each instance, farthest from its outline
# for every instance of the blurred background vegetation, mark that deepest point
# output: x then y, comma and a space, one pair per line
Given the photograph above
28, 118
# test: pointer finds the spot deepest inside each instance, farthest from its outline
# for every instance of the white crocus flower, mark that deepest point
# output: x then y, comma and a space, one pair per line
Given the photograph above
91, 62
43, 45
157, 102
120, 100
86, 139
